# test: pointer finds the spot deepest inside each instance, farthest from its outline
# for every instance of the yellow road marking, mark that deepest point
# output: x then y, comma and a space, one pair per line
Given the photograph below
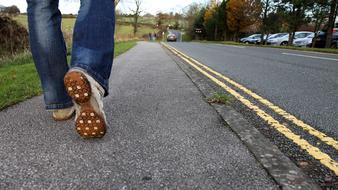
315, 152
306, 127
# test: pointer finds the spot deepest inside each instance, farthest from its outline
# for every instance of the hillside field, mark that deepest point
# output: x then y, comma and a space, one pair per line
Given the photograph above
123, 31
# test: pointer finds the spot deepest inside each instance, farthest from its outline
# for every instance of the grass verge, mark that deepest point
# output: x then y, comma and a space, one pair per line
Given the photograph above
122, 47
219, 98
320, 50
19, 80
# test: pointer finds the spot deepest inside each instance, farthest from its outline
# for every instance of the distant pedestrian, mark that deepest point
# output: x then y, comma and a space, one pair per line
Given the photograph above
81, 87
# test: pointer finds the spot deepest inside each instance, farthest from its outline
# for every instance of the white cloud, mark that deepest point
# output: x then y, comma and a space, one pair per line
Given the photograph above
151, 6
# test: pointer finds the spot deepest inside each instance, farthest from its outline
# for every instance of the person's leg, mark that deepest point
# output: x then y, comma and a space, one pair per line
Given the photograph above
49, 51
93, 41
92, 59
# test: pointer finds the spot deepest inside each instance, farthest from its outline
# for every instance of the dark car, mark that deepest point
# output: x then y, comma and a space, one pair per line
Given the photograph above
171, 38
321, 39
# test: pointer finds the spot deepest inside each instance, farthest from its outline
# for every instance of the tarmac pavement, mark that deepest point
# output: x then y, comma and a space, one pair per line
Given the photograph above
162, 135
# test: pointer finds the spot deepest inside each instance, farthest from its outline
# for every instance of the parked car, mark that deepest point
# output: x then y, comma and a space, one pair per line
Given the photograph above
321, 39
171, 37
284, 39
277, 35
304, 42
253, 39
272, 36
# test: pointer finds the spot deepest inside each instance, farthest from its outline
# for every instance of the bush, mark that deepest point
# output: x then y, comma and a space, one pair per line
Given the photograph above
13, 37
12, 11
187, 38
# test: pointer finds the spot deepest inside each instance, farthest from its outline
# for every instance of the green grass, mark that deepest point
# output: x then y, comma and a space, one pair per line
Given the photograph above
127, 31
67, 23
19, 80
121, 47
219, 98
22, 58
321, 50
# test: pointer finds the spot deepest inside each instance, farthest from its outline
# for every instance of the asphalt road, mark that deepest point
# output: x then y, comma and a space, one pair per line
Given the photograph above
162, 135
303, 84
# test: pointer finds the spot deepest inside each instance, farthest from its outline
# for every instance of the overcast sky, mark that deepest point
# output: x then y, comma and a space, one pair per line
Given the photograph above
150, 6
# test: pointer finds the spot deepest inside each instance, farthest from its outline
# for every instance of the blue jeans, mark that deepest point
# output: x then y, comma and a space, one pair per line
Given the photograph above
92, 51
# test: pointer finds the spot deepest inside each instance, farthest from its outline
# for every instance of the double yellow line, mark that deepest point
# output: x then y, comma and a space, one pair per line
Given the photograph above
315, 152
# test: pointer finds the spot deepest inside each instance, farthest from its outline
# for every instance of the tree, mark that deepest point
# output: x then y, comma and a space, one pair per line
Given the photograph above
160, 19
177, 18
294, 13
331, 22
136, 14
320, 12
215, 21
199, 24
176, 25
148, 15
210, 22
274, 23
266, 27
170, 17
222, 19
190, 15
11, 11
242, 14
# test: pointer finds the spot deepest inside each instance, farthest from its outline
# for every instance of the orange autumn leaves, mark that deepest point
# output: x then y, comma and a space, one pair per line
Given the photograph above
210, 13
242, 14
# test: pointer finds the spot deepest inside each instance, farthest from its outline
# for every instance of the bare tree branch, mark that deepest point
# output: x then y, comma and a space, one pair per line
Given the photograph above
136, 12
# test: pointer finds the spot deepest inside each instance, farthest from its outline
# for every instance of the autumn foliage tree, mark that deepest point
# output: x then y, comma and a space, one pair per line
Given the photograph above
210, 22
215, 21
241, 14
229, 19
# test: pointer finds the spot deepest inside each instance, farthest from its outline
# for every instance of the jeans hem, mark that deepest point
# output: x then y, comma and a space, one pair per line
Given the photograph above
59, 106
95, 75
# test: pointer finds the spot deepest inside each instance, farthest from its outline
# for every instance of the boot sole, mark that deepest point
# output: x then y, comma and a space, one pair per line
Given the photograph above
89, 123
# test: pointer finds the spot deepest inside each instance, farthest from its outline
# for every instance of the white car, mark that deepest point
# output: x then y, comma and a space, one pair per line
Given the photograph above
304, 42
284, 39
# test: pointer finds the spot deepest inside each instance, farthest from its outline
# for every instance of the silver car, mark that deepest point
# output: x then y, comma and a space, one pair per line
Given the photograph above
304, 42
284, 40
